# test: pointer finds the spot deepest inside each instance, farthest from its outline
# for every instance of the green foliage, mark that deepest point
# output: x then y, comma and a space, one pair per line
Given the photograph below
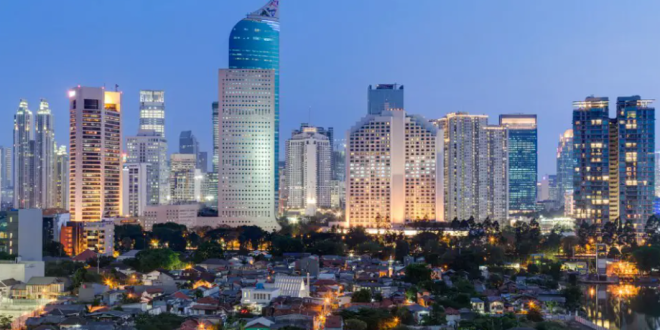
647, 258
171, 235
485, 322
436, 316
404, 315
207, 250
534, 315
53, 249
375, 318
416, 273
83, 276
368, 247
285, 244
361, 296
550, 325
402, 250
163, 321
355, 324
129, 237
355, 236
252, 235
148, 260
5, 322
328, 247
573, 294
64, 268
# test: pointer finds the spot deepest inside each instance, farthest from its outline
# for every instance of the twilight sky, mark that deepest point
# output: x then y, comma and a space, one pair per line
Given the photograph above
483, 57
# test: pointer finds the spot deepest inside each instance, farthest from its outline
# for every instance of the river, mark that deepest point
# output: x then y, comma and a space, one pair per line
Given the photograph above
623, 307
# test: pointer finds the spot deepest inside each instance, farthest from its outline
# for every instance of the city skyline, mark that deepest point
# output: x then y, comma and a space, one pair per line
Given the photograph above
548, 90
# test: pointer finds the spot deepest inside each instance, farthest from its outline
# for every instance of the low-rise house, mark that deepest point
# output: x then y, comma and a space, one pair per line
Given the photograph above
477, 305
128, 255
452, 316
39, 287
88, 292
158, 277
495, 305
334, 323
259, 296
259, 323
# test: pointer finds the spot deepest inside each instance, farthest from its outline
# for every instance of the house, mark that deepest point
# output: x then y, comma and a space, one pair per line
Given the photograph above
5, 286
128, 255
477, 305
334, 323
88, 292
259, 296
85, 256
206, 306
158, 277
495, 305
259, 323
452, 316
40, 287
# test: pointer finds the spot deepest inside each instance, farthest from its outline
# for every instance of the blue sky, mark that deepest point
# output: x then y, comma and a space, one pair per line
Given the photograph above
486, 57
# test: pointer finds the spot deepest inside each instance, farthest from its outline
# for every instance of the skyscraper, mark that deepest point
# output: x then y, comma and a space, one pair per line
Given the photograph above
308, 170
497, 165
60, 194
6, 168
566, 163
247, 148
95, 163
23, 161
43, 158
213, 175
635, 124
385, 97
523, 162
254, 44
657, 174
149, 147
591, 186
152, 111
182, 178
203, 161
465, 165
393, 171
188, 143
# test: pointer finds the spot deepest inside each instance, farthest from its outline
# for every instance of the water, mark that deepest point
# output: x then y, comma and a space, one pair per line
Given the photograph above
623, 307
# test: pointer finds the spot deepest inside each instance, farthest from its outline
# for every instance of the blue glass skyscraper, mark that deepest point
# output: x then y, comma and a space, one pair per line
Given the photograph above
523, 162
254, 43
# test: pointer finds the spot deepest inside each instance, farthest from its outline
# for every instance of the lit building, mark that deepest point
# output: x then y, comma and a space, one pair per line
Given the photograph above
339, 160
213, 176
569, 204
203, 161
6, 168
60, 186
393, 171
95, 158
497, 177
248, 148
337, 194
308, 170
23, 162
99, 236
182, 178
148, 147
188, 143
71, 238
136, 188
182, 214
152, 111
385, 97
566, 163
254, 44
657, 174
523, 162
43, 156
21, 233
465, 166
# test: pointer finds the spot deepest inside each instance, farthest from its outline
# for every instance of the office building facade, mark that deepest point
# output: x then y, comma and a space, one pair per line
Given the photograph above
23, 158
136, 188
182, 178
393, 172
95, 154
566, 163
247, 148
308, 171
385, 97
44, 156
523, 162
152, 111
149, 147
497, 165
60, 186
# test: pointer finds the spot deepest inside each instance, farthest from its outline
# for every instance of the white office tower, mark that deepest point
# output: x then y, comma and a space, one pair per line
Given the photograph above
23, 158
95, 158
149, 147
152, 111
465, 166
43, 156
182, 178
247, 163
135, 183
60, 191
497, 186
308, 171
393, 171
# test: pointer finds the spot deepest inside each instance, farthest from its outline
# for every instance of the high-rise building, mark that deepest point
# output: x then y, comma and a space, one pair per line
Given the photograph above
182, 178
497, 165
523, 162
465, 166
21, 233
254, 44
6, 167
547, 188
95, 158
247, 160
23, 158
43, 158
188, 143
149, 147
213, 175
152, 111
385, 97
136, 188
308, 170
203, 161
60, 191
614, 177
635, 124
657, 174
566, 163
394, 171
339, 161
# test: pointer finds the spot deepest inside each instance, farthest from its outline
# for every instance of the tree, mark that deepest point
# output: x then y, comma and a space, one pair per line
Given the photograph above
207, 250
416, 273
369, 247
355, 236
534, 314
355, 324
5, 322
148, 260
251, 234
652, 229
54, 249
573, 295
171, 234
361, 296
132, 233
436, 316
285, 244
401, 250
568, 244
328, 247
163, 321
647, 258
